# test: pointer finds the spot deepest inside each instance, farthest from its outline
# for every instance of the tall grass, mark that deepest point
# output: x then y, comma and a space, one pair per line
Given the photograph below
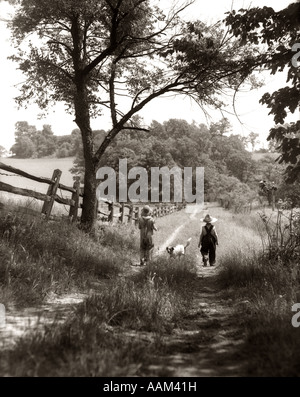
39, 257
253, 275
267, 282
116, 332
118, 329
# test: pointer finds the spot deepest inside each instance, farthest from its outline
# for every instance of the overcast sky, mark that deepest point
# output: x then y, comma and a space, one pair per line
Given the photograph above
252, 116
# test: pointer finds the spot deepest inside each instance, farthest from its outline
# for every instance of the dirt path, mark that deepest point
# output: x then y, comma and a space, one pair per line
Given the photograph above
172, 237
208, 342
19, 322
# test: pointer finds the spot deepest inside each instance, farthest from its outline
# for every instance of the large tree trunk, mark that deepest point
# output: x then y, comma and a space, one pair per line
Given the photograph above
90, 204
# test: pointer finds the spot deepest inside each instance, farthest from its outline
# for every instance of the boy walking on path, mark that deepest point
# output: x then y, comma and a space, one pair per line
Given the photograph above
146, 226
208, 241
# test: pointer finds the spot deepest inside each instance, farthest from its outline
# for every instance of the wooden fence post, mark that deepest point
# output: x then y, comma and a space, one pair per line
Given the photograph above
97, 211
130, 213
137, 215
73, 213
111, 212
122, 211
48, 205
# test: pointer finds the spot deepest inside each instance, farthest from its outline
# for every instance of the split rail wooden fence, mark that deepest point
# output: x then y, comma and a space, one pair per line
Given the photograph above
107, 210
132, 212
51, 196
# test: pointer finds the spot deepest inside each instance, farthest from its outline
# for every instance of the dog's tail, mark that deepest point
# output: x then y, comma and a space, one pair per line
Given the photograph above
188, 242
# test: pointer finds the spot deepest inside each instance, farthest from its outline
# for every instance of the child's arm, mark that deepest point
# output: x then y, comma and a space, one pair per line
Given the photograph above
200, 238
214, 233
154, 226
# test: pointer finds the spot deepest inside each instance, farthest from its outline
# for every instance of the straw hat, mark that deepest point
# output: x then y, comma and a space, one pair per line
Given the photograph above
208, 219
146, 210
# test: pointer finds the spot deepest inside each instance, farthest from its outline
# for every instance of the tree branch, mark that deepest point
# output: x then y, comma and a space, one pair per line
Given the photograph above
138, 94
136, 129
112, 94
119, 126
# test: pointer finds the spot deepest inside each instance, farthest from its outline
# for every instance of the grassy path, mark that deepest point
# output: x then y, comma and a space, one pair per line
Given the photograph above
235, 232
209, 341
22, 321
184, 219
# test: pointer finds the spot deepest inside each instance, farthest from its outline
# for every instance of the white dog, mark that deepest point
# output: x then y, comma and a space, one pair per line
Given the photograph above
178, 250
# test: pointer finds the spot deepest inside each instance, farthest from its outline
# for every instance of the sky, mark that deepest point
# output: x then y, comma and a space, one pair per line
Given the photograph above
252, 116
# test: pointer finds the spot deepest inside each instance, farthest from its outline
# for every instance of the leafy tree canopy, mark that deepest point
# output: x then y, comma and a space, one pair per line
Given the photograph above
276, 34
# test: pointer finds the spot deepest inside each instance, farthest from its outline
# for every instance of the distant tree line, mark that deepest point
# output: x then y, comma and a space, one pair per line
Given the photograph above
33, 143
231, 173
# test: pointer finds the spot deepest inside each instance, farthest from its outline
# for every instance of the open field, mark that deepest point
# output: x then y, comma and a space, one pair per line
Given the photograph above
37, 167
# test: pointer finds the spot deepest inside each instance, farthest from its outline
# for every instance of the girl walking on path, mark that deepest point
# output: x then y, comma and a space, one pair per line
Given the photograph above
208, 241
146, 226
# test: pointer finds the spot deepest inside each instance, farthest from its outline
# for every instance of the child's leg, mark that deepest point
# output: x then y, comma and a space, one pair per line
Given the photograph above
147, 255
142, 256
212, 255
150, 254
204, 254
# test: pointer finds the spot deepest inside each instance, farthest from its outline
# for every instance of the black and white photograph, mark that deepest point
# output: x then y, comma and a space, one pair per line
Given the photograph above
149, 192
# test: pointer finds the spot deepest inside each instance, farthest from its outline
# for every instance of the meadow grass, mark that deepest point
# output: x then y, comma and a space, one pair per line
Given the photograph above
264, 289
115, 332
102, 337
39, 257
120, 328
272, 343
43, 167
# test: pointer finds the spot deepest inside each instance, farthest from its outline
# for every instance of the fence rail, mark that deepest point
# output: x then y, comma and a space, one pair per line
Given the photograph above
122, 212
129, 213
51, 196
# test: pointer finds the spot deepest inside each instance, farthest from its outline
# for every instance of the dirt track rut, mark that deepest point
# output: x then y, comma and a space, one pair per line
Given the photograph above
208, 343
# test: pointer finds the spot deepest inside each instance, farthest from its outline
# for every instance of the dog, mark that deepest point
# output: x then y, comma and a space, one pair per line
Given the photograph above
178, 250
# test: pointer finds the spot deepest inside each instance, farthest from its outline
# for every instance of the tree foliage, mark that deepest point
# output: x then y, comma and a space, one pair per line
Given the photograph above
29, 142
288, 138
224, 158
276, 34
3, 151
